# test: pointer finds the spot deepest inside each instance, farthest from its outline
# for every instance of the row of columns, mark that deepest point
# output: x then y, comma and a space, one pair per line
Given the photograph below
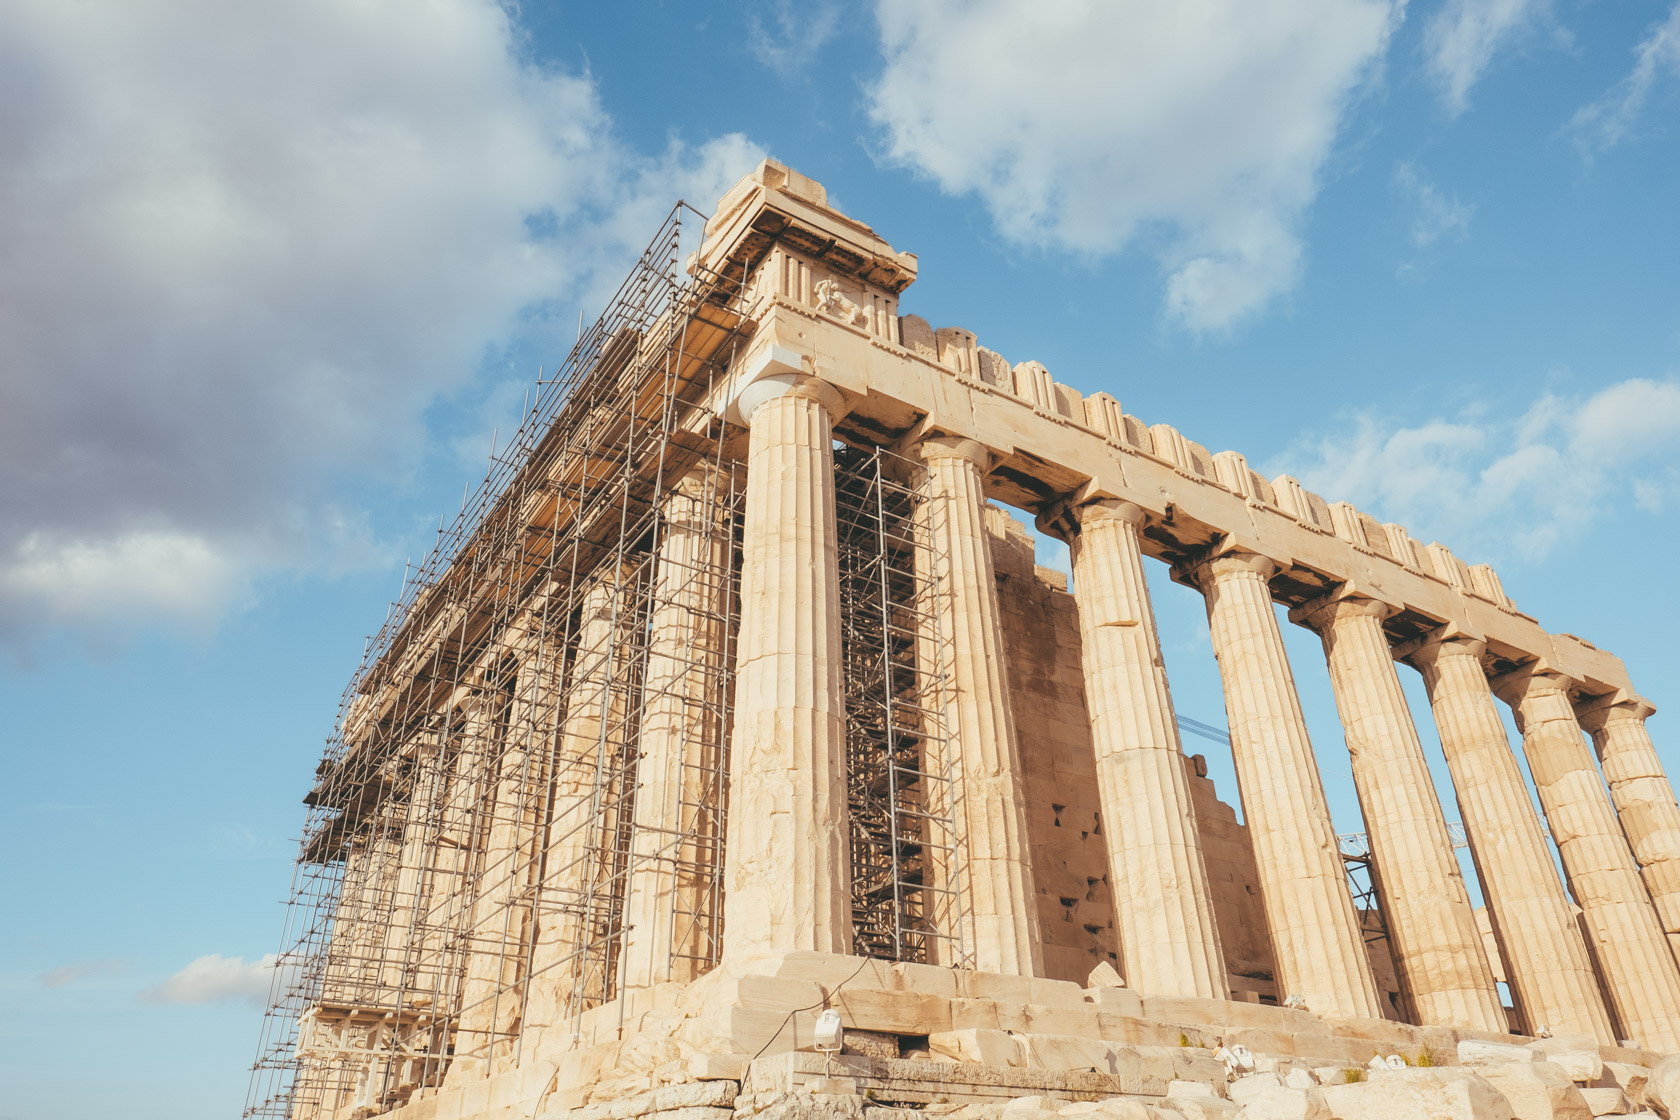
786, 880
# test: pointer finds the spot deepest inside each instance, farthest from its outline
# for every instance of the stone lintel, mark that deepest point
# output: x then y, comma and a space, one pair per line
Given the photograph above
1044, 459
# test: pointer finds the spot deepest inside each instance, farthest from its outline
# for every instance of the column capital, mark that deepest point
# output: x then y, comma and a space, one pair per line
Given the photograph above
1201, 573
1345, 602
1620, 705
1426, 649
931, 448
1109, 509
802, 385
1533, 679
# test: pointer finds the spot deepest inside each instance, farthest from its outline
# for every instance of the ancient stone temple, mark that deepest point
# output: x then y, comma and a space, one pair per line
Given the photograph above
731, 754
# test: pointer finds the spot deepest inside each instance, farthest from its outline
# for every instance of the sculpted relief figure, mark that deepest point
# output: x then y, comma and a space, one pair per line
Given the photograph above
831, 301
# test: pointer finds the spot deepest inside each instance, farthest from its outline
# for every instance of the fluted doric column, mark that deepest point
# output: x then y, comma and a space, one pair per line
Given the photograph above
491, 997
1644, 799
1533, 920
1316, 939
1438, 954
592, 722
667, 932
1633, 955
1003, 934
787, 883
1169, 938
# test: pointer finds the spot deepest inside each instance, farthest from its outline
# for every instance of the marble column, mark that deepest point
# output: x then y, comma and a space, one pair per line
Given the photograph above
1643, 797
493, 992
1003, 934
592, 721
1438, 955
1533, 920
682, 727
787, 883
1316, 940
1169, 938
1622, 928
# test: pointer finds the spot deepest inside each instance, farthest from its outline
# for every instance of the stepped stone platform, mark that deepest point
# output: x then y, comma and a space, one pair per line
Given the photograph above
942, 1042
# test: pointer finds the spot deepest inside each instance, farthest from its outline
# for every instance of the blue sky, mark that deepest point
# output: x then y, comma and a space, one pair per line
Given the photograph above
272, 276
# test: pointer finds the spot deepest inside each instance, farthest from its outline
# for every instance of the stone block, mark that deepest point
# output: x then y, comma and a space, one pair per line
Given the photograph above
1229, 1014
1272, 1043
1055, 993
1078, 1019
927, 979
1065, 1052
831, 969
1201, 1108
1418, 1094
1245, 1089
967, 1014
1116, 1001
1576, 1054
777, 993
695, 1113
1286, 1104
1105, 975
1539, 1091
1475, 1052
1606, 1101
1662, 1089
1197, 1066
1627, 1077
1003, 989
707, 1066
987, 1047
1147, 1032
475, 1098
892, 1012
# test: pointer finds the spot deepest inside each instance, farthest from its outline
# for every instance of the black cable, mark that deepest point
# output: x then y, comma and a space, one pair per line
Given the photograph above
867, 961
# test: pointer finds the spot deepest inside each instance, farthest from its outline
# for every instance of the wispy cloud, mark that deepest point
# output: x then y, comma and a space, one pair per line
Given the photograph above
1461, 38
1199, 127
81, 970
1435, 214
786, 36
217, 979
1497, 490
1608, 121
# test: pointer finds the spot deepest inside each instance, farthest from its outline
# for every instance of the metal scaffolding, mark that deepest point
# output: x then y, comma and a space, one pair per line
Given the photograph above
904, 850
522, 806
472, 822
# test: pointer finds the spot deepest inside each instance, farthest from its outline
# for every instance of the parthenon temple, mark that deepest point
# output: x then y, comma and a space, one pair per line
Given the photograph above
734, 698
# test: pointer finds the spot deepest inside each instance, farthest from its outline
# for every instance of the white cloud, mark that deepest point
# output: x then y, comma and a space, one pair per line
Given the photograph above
214, 978
1607, 121
789, 41
1461, 38
1202, 126
1434, 214
245, 246
79, 970
1493, 490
